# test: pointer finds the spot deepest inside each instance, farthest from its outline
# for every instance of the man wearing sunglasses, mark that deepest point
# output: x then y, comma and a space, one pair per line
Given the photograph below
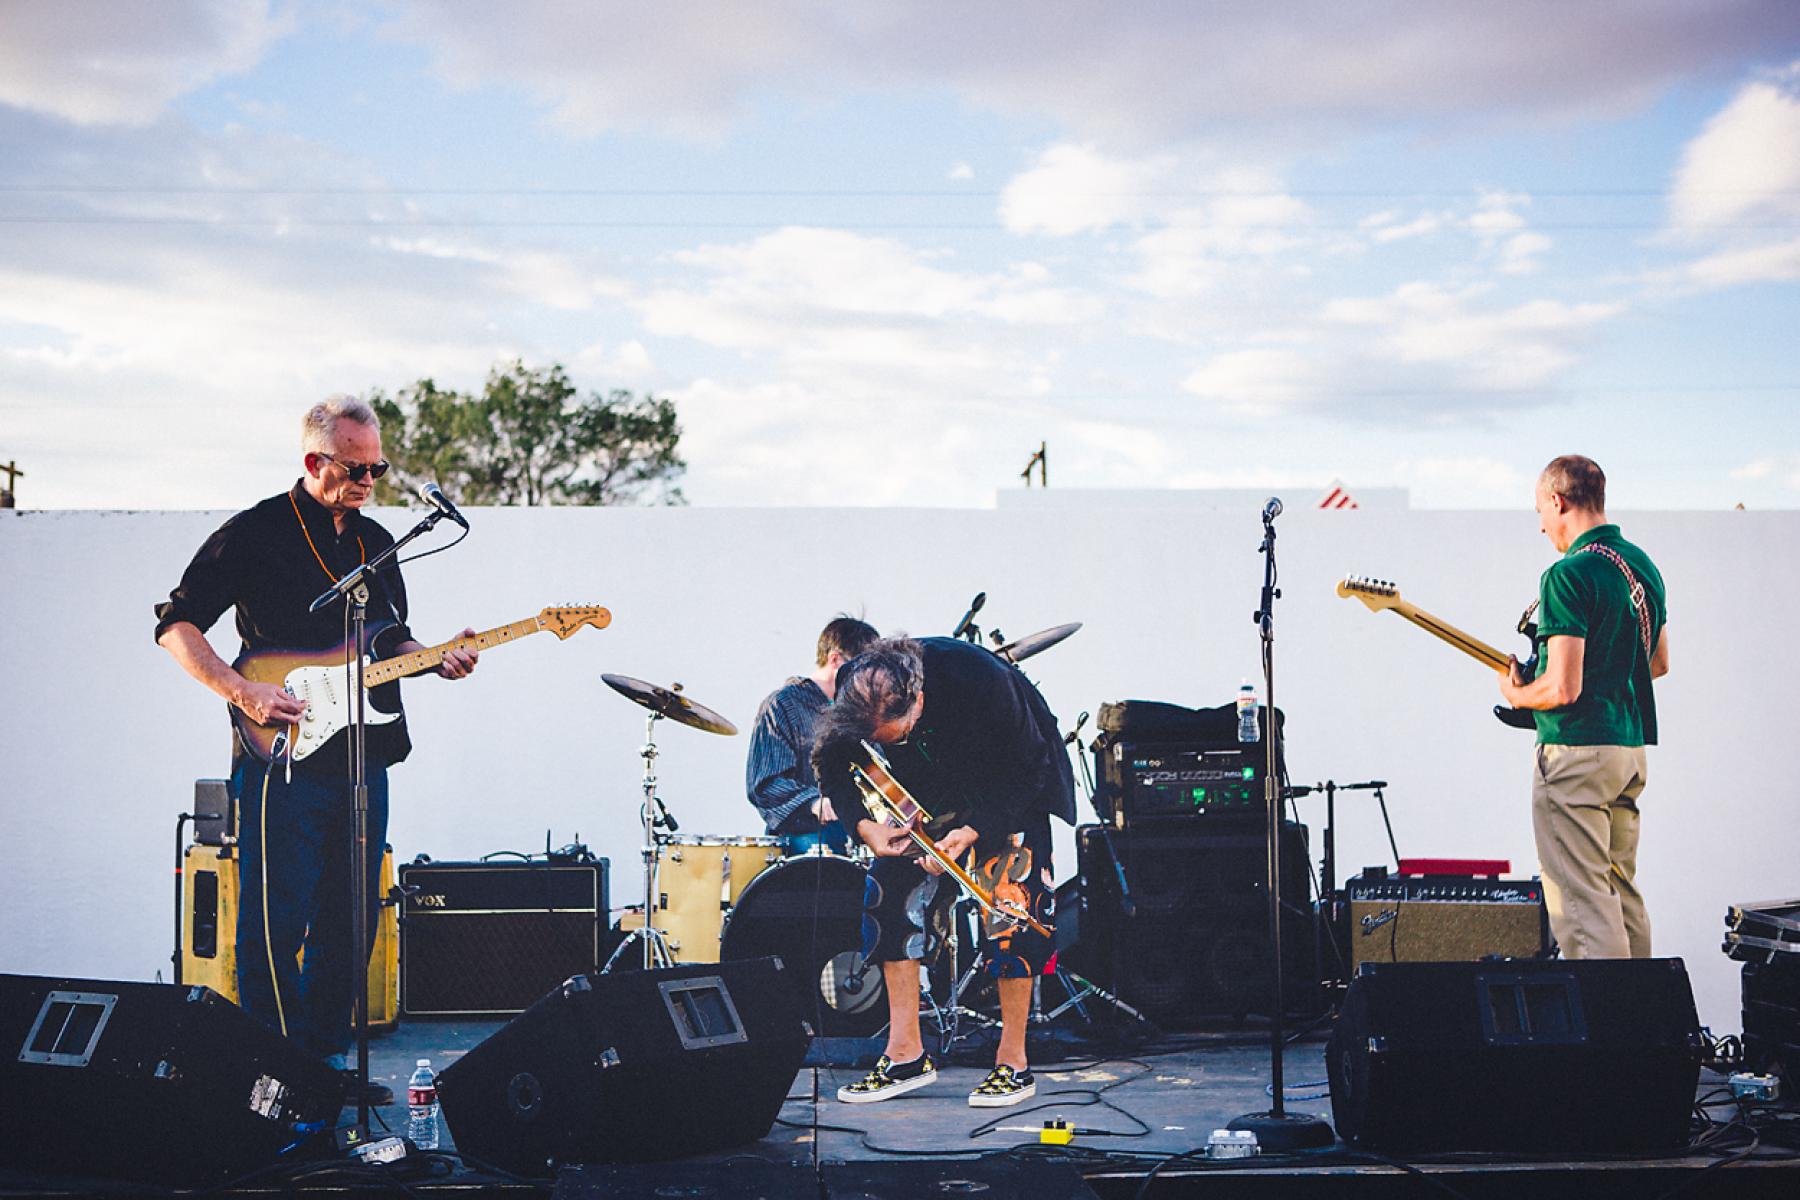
268, 563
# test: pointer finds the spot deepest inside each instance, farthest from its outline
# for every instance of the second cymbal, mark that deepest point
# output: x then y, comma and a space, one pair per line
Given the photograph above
670, 703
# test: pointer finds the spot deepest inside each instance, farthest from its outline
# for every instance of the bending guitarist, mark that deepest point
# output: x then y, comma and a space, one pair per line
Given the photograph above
1602, 640
973, 740
268, 563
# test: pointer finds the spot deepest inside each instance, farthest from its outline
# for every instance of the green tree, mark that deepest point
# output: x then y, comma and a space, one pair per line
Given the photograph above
528, 438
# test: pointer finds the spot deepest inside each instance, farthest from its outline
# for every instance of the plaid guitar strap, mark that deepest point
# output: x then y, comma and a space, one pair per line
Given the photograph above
1639, 605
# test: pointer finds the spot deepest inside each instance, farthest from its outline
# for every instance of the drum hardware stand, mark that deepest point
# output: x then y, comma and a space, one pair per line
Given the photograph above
656, 818
1276, 1129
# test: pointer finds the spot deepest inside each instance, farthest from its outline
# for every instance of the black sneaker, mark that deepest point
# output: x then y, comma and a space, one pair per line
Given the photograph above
889, 1079
378, 1093
1002, 1087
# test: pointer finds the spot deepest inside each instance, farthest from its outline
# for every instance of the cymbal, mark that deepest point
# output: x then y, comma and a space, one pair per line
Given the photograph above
670, 703
1036, 643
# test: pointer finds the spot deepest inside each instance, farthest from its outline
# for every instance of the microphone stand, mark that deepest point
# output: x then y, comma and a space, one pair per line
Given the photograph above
1276, 1129
353, 587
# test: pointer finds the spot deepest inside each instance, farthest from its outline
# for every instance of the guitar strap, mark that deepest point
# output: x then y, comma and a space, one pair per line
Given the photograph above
1639, 603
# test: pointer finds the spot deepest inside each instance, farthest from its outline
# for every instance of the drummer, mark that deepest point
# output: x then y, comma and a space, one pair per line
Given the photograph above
779, 774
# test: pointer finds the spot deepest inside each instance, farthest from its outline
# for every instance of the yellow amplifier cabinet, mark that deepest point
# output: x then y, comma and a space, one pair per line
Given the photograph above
209, 910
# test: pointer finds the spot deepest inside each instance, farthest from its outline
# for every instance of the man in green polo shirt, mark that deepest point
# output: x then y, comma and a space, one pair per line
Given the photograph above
1601, 640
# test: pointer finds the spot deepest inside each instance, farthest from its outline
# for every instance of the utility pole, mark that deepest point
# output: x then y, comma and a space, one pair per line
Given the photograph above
12, 471
1041, 461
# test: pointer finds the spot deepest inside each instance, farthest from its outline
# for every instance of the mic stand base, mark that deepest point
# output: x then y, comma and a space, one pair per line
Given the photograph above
1281, 1132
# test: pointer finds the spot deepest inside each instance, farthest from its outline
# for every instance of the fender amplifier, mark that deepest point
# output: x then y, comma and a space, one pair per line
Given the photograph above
1443, 918
488, 939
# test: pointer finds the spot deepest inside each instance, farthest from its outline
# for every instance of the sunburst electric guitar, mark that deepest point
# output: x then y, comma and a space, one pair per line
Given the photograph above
995, 885
320, 679
1380, 594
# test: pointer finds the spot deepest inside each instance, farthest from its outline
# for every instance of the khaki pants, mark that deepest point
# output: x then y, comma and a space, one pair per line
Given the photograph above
1585, 815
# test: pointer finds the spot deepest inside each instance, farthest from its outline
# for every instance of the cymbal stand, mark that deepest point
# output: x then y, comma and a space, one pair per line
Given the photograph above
655, 818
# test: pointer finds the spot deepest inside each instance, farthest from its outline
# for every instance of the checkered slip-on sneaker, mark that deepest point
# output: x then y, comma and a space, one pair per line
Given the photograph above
1003, 1086
889, 1079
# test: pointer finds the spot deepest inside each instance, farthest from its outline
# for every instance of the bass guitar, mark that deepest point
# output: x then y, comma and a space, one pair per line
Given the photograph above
321, 679
995, 885
1381, 594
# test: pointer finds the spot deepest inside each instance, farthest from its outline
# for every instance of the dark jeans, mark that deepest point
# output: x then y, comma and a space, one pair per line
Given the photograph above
305, 826
830, 835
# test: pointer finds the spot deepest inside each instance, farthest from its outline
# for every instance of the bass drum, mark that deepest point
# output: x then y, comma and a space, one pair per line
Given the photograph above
808, 912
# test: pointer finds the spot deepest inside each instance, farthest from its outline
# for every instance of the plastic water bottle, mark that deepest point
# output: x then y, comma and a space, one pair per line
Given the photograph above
422, 1107
1248, 730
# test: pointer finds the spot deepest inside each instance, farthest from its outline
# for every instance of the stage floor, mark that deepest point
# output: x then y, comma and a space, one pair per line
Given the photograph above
1131, 1109
1136, 1113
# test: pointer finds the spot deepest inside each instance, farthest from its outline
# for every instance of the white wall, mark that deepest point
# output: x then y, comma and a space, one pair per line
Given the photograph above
103, 735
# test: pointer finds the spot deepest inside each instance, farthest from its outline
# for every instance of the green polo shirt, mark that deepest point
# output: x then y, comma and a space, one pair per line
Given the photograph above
1584, 595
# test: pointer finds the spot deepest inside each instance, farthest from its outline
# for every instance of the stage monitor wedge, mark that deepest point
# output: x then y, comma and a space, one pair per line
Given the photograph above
629, 1067
150, 1081
1597, 1056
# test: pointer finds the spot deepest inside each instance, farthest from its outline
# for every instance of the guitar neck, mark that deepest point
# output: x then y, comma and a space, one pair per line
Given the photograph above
399, 667
1472, 646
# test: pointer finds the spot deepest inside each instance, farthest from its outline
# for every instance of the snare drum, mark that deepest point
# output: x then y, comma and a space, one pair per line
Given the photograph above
808, 911
698, 879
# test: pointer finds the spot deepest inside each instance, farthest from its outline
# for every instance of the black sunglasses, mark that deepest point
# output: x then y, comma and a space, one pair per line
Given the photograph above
358, 471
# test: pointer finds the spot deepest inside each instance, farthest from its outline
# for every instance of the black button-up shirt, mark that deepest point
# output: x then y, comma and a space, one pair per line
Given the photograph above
270, 564
985, 751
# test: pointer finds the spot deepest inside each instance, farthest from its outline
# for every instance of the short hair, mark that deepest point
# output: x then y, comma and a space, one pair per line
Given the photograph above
319, 424
877, 686
847, 635
1577, 479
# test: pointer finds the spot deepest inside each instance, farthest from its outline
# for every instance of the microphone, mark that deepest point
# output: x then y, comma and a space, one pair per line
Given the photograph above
962, 626
1373, 785
433, 495
1272, 509
1074, 735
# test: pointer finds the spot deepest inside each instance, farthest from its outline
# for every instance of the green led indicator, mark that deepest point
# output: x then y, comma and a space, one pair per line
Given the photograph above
1249, 772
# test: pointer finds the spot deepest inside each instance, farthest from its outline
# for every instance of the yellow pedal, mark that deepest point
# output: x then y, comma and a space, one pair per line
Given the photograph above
1056, 1133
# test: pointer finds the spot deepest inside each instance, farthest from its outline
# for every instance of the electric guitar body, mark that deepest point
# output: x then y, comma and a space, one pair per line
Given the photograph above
322, 680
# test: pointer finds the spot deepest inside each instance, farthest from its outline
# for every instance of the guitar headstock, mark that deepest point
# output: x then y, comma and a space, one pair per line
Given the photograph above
565, 621
1376, 593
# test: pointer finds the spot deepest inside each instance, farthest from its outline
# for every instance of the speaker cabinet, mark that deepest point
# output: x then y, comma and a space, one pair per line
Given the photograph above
487, 939
1590, 1056
631, 1066
149, 1081
1185, 937
209, 907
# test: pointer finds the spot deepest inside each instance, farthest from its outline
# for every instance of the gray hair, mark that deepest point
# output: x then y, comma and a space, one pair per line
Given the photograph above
1577, 479
877, 686
320, 421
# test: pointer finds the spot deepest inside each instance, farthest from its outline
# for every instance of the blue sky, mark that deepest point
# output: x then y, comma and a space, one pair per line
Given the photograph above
877, 253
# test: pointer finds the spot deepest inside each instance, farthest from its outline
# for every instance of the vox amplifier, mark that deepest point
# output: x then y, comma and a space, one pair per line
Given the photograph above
209, 909
1443, 918
489, 939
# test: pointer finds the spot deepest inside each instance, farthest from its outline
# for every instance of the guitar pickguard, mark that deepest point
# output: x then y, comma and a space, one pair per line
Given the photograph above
327, 700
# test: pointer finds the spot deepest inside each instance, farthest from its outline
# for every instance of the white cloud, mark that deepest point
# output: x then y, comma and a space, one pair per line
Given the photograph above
1522, 254
1262, 379
1151, 71
960, 172
865, 313
1762, 468
1736, 192
1744, 165
1507, 349
101, 62
1076, 189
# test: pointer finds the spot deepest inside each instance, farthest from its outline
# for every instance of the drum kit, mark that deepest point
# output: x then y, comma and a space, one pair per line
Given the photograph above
709, 897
